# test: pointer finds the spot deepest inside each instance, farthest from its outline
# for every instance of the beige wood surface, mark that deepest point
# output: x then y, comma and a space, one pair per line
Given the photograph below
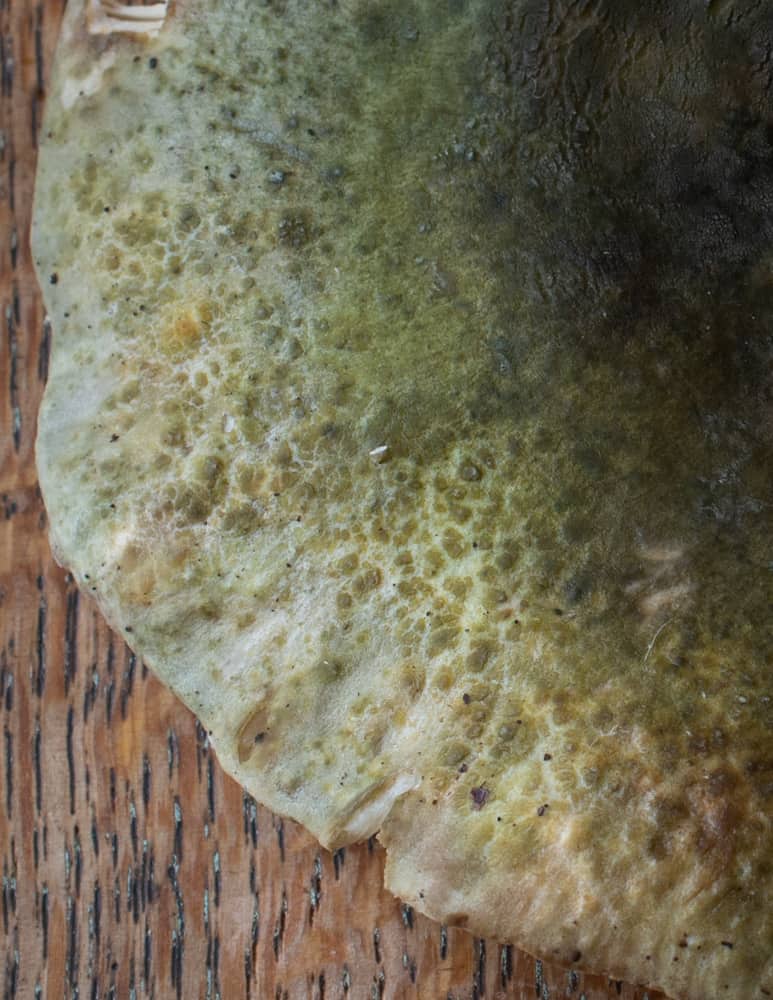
131, 865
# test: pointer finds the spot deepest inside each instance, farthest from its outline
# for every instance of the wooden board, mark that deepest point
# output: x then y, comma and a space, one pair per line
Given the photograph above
131, 865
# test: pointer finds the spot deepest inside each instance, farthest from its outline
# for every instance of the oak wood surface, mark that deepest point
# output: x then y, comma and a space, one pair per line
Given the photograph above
131, 865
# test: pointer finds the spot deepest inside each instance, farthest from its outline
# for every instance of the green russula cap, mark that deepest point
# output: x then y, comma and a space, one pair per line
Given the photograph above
410, 412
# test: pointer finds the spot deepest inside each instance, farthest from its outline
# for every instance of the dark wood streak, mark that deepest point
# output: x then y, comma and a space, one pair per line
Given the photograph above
44, 921
39, 61
172, 754
146, 777
127, 682
12, 967
178, 829
505, 965
71, 924
280, 838
37, 766
315, 888
147, 954
377, 946
8, 739
247, 975
216, 877
5, 911
77, 860
250, 814
133, 826
13, 382
70, 638
479, 973
279, 926
109, 702
96, 910
12, 183
71, 758
44, 352
40, 675
211, 788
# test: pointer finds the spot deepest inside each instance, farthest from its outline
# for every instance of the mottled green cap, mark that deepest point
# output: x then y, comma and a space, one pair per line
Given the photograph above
410, 411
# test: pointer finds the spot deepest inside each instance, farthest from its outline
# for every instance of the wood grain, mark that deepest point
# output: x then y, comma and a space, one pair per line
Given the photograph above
131, 865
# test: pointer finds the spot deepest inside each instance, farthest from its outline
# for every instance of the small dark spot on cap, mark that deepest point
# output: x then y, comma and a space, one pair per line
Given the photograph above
727, 944
576, 956
466, 698
547, 756
54, 279
543, 809
479, 797
152, 62
114, 437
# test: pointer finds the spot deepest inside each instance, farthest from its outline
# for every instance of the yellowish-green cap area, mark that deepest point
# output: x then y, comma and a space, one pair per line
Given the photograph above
410, 413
